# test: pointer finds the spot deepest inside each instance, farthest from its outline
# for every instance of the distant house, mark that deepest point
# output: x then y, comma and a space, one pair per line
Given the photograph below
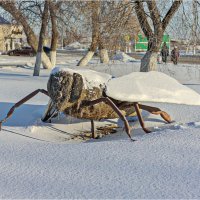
10, 35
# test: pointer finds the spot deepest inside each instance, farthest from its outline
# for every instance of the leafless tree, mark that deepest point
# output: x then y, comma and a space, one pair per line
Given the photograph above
53, 9
45, 16
94, 13
185, 26
153, 26
28, 13
14, 9
108, 21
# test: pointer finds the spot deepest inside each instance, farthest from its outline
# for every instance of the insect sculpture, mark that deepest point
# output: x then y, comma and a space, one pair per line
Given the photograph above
72, 93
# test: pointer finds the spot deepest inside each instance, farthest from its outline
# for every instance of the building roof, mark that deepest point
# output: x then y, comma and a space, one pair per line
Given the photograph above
4, 21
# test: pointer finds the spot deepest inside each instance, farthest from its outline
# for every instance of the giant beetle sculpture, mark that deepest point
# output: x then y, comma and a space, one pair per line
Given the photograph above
71, 92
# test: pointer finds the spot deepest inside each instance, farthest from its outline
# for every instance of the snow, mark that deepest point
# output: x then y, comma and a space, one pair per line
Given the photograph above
91, 78
151, 87
106, 169
123, 57
39, 162
76, 45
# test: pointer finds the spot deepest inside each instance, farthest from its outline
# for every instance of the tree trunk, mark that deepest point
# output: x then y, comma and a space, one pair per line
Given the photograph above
104, 58
149, 62
54, 38
38, 61
44, 59
85, 60
53, 58
41, 39
46, 62
95, 34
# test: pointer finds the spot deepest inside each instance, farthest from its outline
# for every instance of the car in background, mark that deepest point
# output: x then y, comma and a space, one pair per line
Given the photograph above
24, 51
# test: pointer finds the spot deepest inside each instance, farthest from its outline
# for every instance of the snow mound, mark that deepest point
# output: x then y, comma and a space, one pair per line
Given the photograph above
75, 45
91, 78
151, 87
123, 57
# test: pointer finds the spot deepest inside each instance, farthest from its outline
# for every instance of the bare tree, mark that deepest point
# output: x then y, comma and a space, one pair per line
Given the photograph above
53, 9
95, 16
154, 36
109, 21
45, 16
17, 14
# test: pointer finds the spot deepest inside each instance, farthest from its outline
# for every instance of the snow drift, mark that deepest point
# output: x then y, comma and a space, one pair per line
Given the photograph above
123, 57
151, 87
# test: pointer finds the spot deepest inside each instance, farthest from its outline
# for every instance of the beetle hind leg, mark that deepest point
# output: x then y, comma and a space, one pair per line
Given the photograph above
156, 111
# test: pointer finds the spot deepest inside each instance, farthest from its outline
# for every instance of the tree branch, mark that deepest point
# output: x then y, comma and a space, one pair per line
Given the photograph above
141, 15
170, 13
53, 12
155, 16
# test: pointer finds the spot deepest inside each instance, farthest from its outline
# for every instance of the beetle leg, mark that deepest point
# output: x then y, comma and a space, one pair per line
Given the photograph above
19, 103
137, 109
50, 112
93, 129
156, 111
115, 108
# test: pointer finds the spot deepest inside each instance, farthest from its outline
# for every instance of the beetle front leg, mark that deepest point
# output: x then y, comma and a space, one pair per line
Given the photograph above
19, 103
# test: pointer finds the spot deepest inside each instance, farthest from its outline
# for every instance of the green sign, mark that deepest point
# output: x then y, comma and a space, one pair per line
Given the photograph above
141, 43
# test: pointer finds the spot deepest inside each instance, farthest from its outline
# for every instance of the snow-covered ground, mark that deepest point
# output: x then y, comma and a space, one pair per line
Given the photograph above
77, 46
119, 55
38, 161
